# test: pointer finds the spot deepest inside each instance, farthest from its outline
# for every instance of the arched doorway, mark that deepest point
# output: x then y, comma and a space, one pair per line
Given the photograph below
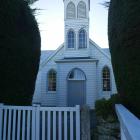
76, 87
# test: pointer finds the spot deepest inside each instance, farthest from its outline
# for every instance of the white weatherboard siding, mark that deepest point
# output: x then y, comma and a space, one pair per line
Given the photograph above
87, 68
89, 58
48, 99
37, 96
92, 70
104, 60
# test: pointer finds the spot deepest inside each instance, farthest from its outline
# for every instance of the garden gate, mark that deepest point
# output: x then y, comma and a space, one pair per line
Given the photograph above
39, 123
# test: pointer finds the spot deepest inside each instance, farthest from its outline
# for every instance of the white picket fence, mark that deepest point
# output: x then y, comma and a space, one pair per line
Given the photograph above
39, 123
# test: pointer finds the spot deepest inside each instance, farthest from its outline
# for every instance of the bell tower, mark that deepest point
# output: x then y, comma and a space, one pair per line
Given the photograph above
76, 18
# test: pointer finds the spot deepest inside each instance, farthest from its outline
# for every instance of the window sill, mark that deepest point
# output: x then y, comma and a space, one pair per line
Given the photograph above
82, 48
70, 49
106, 91
51, 92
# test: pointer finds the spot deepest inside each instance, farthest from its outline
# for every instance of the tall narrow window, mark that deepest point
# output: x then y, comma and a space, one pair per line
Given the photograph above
82, 39
52, 80
71, 39
81, 10
106, 79
71, 11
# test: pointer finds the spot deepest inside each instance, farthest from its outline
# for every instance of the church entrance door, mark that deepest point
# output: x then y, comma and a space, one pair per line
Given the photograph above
76, 88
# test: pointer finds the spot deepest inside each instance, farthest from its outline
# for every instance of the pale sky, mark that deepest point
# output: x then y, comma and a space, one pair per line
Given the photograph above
51, 23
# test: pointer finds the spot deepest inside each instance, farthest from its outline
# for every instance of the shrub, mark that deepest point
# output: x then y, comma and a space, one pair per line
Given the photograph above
19, 52
124, 43
106, 108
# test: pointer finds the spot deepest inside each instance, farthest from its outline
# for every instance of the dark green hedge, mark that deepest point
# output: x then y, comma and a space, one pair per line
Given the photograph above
106, 108
19, 52
124, 43
31, 1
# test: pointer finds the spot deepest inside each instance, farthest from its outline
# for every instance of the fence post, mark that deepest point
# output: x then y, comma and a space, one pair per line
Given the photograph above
37, 121
33, 123
77, 122
85, 123
1, 112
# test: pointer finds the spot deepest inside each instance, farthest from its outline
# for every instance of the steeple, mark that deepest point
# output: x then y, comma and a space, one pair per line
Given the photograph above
76, 18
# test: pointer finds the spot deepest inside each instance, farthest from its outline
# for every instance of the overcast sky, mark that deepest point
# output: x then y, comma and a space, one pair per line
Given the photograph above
51, 23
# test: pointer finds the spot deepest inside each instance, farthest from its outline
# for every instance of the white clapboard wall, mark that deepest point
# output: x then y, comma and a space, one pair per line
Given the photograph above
39, 123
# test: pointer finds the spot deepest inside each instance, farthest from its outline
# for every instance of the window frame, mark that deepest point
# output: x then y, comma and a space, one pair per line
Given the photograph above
84, 39
106, 79
67, 10
78, 8
51, 85
74, 39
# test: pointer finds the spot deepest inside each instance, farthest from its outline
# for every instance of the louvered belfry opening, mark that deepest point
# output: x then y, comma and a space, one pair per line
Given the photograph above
81, 10
71, 11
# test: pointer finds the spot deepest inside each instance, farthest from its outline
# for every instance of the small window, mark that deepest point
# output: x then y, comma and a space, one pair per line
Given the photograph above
76, 74
81, 10
71, 11
71, 39
52, 80
82, 39
106, 79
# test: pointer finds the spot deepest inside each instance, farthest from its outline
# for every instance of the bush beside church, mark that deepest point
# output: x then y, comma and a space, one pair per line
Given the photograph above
19, 52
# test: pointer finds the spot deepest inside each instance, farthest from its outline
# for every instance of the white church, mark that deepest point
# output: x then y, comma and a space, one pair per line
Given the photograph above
79, 72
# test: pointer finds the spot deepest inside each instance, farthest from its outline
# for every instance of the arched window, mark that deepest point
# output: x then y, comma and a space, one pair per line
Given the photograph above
76, 74
71, 11
82, 39
106, 79
71, 39
52, 80
81, 10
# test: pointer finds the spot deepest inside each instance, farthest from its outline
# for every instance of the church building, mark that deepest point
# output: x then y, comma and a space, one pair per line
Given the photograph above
79, 72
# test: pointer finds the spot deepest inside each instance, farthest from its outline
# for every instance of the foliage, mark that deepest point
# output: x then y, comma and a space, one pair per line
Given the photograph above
106, 4
31, 1
106, 108
19, 52
124, 43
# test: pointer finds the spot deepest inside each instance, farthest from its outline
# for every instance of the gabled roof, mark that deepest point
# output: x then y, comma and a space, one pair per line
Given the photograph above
106, 50
47, 55
54, 52
102, 50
